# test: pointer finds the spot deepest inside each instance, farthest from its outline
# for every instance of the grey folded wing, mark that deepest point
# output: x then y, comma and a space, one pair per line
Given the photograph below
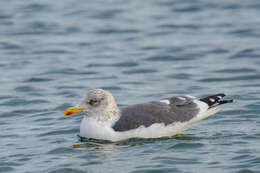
179, 109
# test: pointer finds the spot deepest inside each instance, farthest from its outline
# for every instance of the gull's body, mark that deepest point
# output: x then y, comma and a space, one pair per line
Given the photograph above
104, 120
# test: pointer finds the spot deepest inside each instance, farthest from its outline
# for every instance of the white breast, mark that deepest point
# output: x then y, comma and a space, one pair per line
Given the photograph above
92, 128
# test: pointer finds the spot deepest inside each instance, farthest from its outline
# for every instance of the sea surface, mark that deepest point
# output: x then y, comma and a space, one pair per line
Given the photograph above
53, 52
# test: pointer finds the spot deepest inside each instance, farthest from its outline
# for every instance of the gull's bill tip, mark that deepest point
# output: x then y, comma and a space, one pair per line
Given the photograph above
72, 110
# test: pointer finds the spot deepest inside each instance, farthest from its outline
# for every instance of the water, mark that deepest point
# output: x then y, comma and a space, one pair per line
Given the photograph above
52, 52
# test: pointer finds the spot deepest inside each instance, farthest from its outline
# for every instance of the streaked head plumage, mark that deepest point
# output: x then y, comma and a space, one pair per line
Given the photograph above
99, 103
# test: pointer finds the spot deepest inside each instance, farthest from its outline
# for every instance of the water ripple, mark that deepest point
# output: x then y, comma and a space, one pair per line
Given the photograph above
27, 89
61, 150
67, 170
10, 46
116, 31
108, 14
175, 26
139, 71
38, 79
35, 7
186, 146
235, 78
245, 171
59, 132
246, 53
237, 70
54, 51
172, 160
119, 64
22, 102
166, 58
6, 169
71, 71
186, 8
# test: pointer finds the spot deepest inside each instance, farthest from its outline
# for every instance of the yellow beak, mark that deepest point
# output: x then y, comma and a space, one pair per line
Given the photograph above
72, 110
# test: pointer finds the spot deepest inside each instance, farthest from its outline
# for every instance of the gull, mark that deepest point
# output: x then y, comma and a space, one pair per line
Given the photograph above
104, 120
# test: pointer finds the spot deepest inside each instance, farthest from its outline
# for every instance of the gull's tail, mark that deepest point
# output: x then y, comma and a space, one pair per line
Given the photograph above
215, 100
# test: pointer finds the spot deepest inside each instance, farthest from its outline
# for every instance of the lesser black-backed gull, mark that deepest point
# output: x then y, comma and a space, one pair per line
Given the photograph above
104, 120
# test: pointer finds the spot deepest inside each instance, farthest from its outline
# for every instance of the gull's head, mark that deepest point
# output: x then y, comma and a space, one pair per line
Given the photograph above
96, 103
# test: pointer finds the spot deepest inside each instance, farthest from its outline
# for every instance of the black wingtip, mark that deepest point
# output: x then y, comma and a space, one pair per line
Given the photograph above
216, 100
225, 101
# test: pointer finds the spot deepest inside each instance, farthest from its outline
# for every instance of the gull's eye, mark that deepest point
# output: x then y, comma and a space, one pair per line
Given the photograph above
93, 102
